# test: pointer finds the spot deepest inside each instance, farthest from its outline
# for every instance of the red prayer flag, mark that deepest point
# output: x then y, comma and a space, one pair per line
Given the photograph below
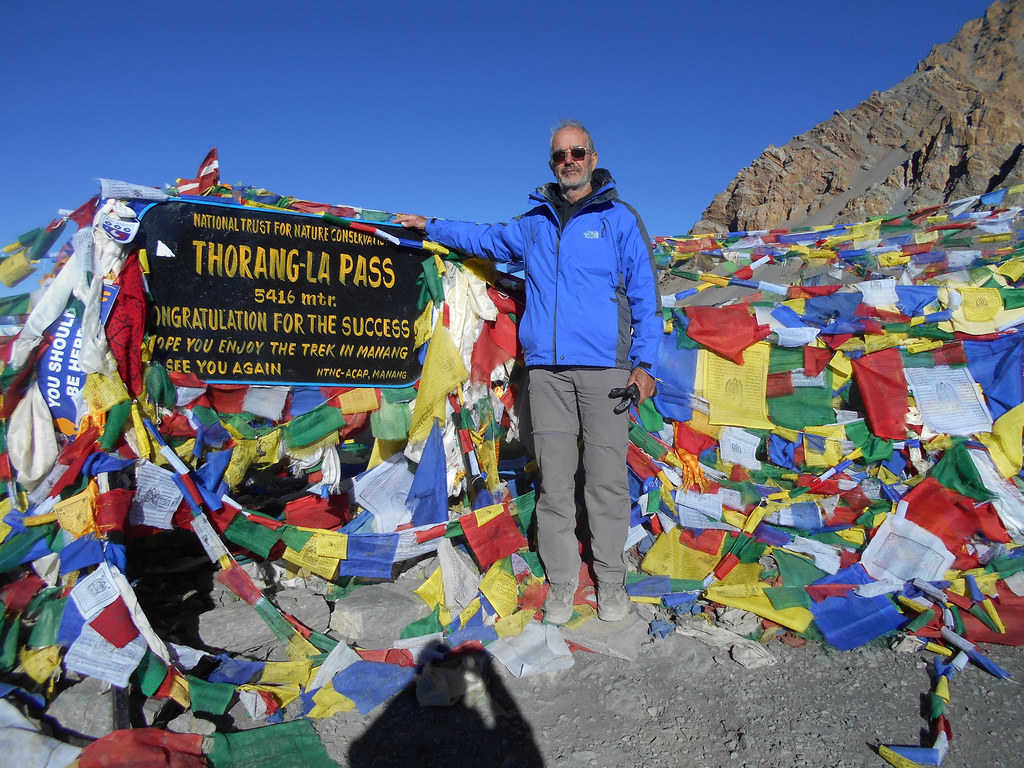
884, 390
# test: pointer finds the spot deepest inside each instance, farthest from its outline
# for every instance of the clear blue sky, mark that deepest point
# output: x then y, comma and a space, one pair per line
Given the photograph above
440, 108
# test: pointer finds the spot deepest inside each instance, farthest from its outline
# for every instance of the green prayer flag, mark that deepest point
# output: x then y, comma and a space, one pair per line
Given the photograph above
293, 537
533, 560
278, 624
44, 633
807, 406
18, 545
524, 505
649, 416
314, 425
785, 359
797, 571
150, 673
15, 305
9, 643
258, 539
322, 641
159, 386
391, 421
956, 471
214, 698
920, 620
294, 744
117, 417
427, 625
433, 288
782, 598
645, 442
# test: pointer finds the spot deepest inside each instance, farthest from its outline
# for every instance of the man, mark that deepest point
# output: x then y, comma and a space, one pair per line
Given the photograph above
591, 324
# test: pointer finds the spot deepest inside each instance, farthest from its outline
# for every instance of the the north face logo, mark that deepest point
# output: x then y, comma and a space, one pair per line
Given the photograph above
592, 234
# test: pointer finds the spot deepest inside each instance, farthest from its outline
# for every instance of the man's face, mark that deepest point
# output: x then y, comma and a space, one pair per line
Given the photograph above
572, 174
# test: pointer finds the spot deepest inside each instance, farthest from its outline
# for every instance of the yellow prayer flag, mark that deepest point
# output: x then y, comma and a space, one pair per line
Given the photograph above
384, 449
874, 342
358, 400
179, 692
75, 514
755, 601
484, 515
14, 269
926, 237
300, 649
422, 325
141, 433
443, 371
736, 393
469, 611
981, 305
40, 664
868, 230
1004, 442
832, 453
431, 591
669, 557
892, 259
327, 702
855, 535
101, 392
286, 672
1013, 269
500, 588
1002, 237
514, 624
330, 544
308, 558
5, 529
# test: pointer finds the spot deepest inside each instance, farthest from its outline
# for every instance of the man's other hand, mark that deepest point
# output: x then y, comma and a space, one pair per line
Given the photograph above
644, 382
410, 221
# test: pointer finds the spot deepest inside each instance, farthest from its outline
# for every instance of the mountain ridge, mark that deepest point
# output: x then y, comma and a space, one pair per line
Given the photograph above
953, 128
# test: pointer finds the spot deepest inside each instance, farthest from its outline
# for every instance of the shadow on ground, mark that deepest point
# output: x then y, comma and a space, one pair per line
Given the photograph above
484, 727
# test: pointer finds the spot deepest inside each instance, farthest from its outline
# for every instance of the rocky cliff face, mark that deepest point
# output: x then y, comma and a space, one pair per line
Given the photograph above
954, 128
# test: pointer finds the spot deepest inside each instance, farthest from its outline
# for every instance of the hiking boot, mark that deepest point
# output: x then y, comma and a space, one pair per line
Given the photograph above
612, 601
558, 606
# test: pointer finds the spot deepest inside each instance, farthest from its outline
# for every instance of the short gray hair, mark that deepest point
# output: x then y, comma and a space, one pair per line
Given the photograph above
563, 124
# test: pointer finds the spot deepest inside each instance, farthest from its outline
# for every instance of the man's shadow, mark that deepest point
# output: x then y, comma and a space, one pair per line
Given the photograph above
482, 727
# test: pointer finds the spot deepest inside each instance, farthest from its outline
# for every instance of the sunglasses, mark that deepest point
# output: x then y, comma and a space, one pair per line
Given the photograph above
576, 153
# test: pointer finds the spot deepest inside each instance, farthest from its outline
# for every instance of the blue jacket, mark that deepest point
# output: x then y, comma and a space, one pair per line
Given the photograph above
587, 285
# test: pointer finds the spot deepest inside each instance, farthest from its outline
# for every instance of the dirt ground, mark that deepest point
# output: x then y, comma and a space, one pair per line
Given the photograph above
684, 704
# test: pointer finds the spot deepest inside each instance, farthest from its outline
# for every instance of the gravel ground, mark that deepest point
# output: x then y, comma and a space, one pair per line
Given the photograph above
684, 704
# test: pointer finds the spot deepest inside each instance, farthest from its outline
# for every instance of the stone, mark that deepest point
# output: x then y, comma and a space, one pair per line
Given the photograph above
86, 708
306, 606
374, 616
235, 628
187, 722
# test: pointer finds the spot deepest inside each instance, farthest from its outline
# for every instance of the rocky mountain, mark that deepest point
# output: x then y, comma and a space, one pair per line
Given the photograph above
953, 128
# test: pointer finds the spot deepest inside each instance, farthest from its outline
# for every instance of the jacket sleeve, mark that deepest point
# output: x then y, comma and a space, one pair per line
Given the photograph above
641, 293
498, 242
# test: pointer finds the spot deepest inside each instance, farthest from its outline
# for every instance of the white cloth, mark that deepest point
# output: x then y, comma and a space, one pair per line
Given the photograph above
31, 442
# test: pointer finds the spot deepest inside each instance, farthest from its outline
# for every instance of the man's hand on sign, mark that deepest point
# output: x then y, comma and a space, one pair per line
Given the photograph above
410, 221
644, 382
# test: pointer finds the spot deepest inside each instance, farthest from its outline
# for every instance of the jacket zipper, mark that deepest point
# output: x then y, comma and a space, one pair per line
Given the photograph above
558, 258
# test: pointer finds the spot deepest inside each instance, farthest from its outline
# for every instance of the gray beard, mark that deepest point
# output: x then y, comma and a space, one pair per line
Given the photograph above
567, 186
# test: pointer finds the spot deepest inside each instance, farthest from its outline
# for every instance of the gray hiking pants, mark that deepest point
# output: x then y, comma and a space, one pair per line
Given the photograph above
563, 402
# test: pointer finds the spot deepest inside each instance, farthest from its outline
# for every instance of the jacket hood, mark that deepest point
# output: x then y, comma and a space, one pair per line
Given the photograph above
601, 182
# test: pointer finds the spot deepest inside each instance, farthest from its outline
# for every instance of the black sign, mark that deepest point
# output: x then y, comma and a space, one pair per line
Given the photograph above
255, 296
